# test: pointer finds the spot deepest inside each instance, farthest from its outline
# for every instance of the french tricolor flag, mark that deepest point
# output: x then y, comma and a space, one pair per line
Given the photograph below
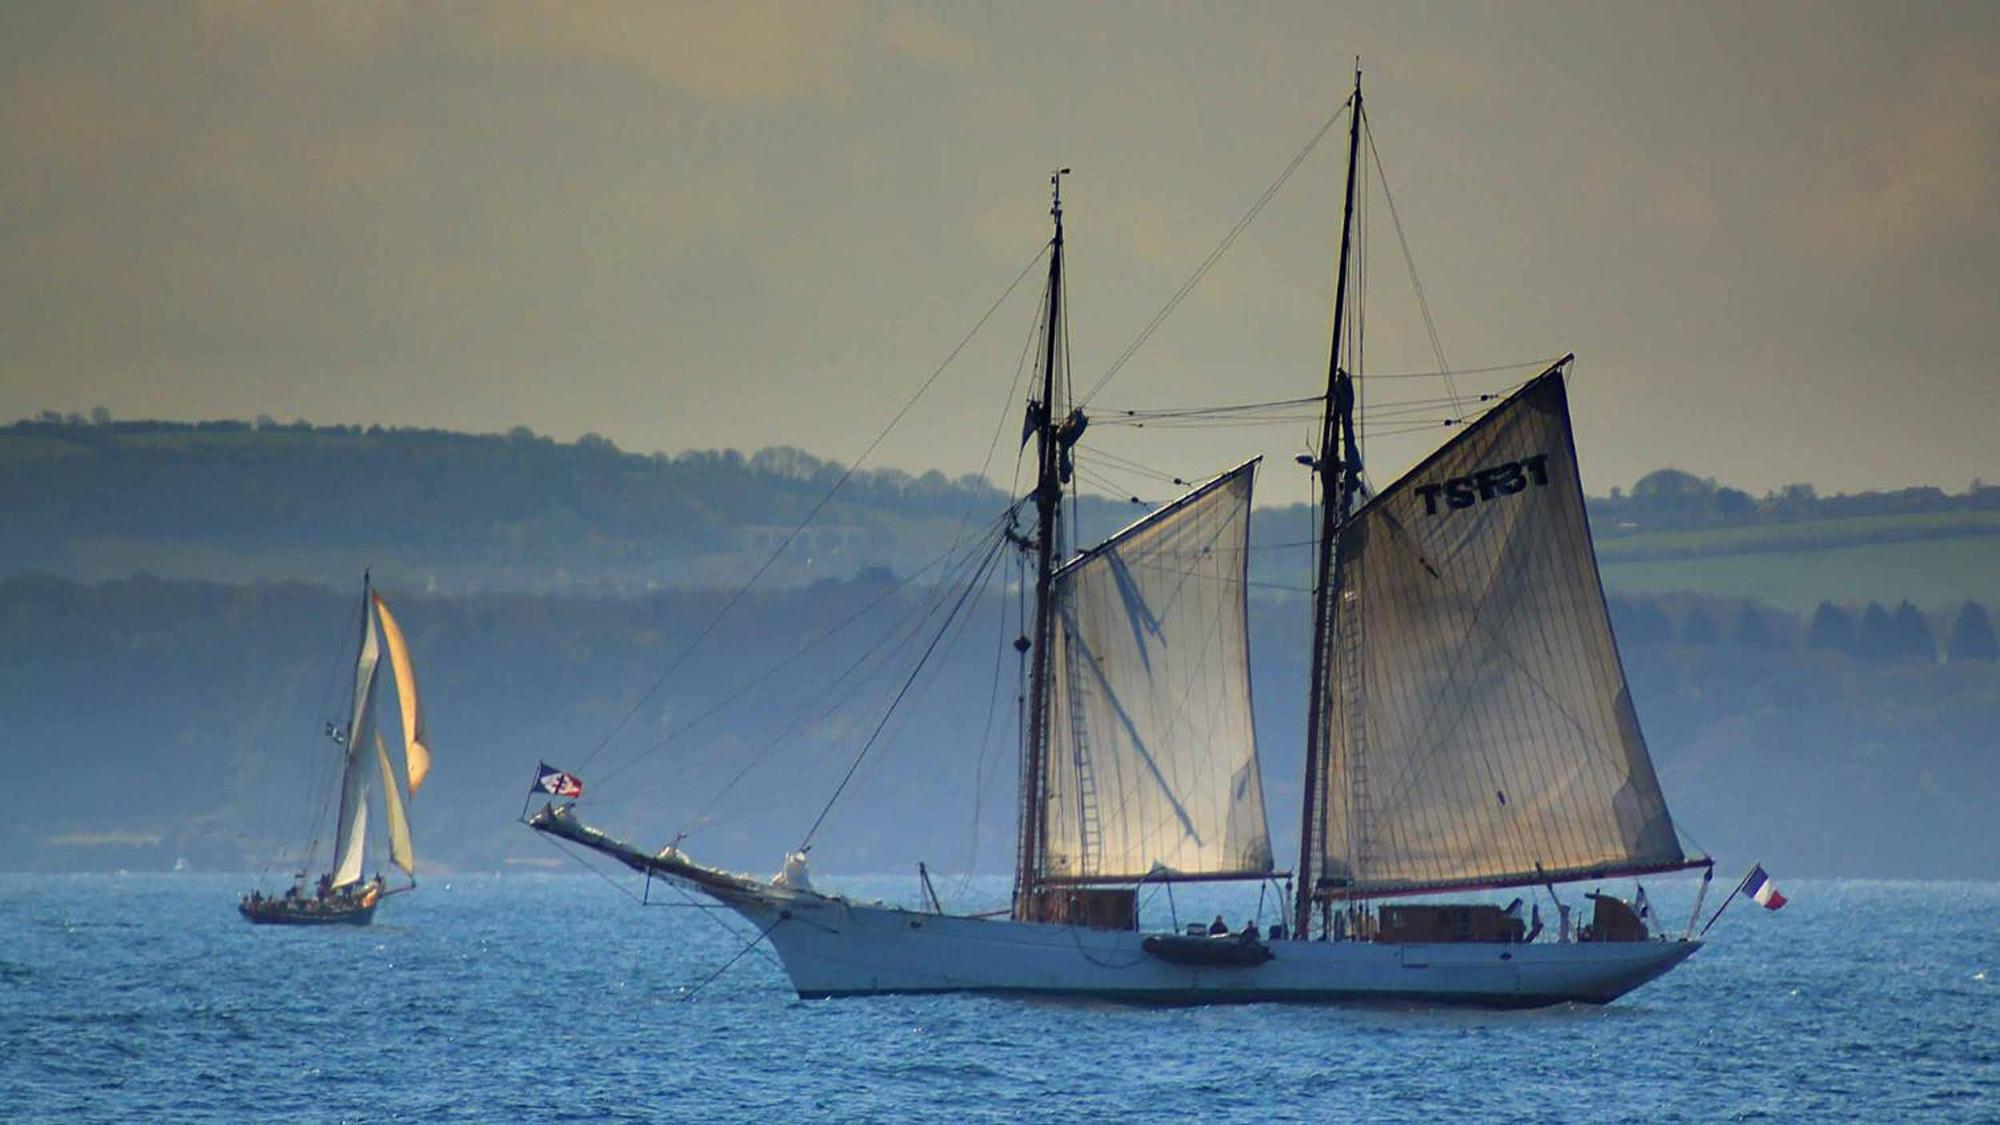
1759, 886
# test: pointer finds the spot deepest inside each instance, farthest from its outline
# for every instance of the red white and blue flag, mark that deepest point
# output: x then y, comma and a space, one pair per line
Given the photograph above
1759, 886
557, 783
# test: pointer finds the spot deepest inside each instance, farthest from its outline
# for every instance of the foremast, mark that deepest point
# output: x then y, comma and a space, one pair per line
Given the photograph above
1338, 465
1049, 450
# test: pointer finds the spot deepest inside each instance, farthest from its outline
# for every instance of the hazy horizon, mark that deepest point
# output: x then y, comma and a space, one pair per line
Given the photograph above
1769, 234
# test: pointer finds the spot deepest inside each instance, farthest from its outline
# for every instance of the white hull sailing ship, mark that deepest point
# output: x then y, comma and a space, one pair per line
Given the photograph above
341, 896
1469, 730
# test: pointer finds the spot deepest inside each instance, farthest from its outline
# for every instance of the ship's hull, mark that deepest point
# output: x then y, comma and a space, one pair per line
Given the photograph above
832, 947
277, 912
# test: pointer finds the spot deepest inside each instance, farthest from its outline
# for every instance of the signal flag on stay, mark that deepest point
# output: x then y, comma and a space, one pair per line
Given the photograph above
557, 783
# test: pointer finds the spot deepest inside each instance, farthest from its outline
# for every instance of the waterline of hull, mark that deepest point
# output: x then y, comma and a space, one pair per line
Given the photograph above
831, 947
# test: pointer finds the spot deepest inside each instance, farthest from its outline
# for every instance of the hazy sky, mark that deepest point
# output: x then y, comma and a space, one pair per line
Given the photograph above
1771, 232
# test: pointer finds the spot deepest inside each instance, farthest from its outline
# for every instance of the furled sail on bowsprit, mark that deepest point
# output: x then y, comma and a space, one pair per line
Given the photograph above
1152, 762
1480, 732
416, 744
352, 831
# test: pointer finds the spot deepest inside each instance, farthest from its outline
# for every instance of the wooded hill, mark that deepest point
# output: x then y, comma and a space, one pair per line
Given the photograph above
450, 512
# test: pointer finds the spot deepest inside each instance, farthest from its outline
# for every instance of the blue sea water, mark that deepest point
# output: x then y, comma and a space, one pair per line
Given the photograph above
500, 998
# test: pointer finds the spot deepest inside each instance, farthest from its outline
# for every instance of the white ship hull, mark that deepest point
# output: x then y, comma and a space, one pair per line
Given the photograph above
833, 947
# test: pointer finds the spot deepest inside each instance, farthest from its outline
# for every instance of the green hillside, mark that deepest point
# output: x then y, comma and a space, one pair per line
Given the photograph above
1935, 574
239, 502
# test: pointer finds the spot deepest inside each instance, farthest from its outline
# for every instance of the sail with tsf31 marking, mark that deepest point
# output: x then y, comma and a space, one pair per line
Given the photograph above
1480, 731
1152, 764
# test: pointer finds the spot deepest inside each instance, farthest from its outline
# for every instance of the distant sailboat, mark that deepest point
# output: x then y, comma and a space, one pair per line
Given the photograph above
1469, 728
341, 895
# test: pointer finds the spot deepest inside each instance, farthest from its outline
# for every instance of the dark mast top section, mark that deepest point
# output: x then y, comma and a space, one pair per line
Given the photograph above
1339, 465
1053, 440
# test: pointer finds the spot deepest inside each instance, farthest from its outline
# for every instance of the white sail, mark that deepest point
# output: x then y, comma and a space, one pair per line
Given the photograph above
401, 851
1152, 761
416, 745
1479, 730
352, 828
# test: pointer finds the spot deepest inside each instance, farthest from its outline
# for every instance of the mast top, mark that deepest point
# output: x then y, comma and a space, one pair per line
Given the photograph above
1055, 194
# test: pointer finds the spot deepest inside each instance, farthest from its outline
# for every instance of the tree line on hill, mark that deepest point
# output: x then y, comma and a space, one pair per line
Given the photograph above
1674, 500
264, 500
1872, 632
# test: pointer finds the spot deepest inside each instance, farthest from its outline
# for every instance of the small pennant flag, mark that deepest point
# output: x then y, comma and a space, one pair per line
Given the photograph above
557, 783
1759, 886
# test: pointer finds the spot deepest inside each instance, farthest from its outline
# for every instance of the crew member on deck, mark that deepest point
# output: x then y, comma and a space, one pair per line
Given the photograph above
1218, 927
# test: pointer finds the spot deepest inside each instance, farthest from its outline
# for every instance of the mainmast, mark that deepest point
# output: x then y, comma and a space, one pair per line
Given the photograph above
1049, 455
1338, 464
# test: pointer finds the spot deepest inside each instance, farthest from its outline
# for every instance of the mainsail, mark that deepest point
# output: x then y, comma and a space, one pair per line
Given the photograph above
1152, 763
352, 830
1480, 732
416, 747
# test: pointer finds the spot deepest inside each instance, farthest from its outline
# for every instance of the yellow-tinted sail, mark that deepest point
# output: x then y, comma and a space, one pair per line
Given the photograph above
401, 853
416, 751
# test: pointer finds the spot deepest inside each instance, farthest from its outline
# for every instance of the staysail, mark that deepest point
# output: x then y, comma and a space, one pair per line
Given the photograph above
401, 851
352, 832
1152, 762
416, 744
1480, 732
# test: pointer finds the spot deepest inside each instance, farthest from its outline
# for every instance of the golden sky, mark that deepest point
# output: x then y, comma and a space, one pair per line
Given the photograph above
1769, 231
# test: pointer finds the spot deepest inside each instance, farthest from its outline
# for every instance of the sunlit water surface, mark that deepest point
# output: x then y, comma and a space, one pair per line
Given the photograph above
145, 997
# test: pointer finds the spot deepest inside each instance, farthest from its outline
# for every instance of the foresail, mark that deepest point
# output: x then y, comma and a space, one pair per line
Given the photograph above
416, 742
1152, 763
352, 830
1480, 729
401, 853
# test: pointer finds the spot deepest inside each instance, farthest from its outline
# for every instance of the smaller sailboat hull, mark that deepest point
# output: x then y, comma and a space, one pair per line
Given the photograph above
348, 906
306, 912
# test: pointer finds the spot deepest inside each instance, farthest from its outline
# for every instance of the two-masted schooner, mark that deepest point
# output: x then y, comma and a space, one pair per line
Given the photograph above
1469, 730
342, 895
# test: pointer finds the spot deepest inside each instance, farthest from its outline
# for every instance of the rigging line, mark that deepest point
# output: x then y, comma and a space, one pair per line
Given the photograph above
929, 674
704, 982
1000, 426
1536, 364
975, 584
1299, 407
1127, 464
1214, 255
1409, 261
780, 666
811, 710
1204, 411
704, 817
926, 673
588, 866
813, 514
985, 743
580, 861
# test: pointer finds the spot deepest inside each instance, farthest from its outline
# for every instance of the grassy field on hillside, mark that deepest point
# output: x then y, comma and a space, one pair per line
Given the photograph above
1935, 574
1795, 536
